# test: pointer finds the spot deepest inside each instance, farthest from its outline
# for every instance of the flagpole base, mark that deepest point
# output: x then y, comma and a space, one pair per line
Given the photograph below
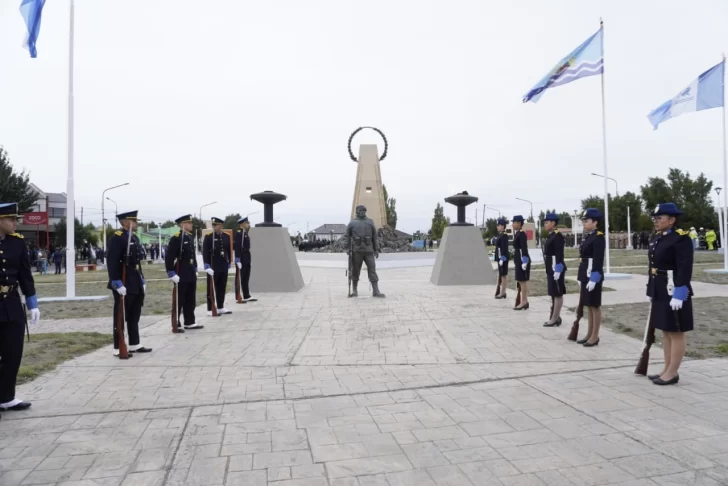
86, 298
617, 276
716, 270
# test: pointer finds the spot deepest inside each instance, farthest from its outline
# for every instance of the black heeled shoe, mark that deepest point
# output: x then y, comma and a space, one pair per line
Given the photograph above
525, 307
501, 297
555, 324
653, 377
660, 381
582, 341
589, 345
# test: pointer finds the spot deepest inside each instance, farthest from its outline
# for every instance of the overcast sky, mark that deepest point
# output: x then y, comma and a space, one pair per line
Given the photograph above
195, 101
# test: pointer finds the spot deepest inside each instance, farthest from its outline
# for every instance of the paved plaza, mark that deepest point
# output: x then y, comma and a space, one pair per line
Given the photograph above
430, 386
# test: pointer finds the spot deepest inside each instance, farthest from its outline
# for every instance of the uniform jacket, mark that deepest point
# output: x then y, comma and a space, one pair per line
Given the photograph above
520, 246
117, 260
242, 244
181, 258
14, 273
361, 234
501, 246
553, 251
670, 250
220, 261
594, 247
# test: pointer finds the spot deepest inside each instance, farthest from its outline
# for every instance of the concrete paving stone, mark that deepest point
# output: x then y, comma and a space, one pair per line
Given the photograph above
279, 473
285, 440
55, 475
241, 462
149, 478
247, 478
368, 466
649, 465
595, 474
424, 454
339, 452
281, 459
308, 471
302, 482
450, 476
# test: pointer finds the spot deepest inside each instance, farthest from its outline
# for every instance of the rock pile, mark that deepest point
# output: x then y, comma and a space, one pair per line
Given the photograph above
389, 242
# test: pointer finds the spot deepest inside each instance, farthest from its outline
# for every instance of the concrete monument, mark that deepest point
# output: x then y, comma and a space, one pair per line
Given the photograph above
274, 264
368, 188
462, 258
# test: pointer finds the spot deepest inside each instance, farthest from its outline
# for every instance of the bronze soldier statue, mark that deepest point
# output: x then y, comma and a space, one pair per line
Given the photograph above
363, 246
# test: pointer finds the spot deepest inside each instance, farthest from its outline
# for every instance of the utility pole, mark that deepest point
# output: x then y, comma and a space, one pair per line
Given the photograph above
81, 215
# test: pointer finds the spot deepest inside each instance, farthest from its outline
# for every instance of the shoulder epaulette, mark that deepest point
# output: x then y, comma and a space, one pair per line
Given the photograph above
176, 234
682, 232
556, 230
240, 231
17, 235
599, 233
118, 233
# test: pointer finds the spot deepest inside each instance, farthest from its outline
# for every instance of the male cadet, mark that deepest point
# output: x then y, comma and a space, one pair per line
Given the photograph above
362, 246
181, 264
243, 257
216, 257
14, 276
125, 253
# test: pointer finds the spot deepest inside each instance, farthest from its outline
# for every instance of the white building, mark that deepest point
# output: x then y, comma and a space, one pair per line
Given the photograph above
330, 232
54, 204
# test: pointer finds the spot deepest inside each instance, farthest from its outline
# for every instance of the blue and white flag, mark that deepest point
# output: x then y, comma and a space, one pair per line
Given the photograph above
31, 10
585, 60
702, 94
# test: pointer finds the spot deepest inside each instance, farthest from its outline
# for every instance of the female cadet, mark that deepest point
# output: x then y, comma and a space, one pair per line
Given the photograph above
15, 277
553, 253
522, 263
502, 257
669, 289
592, 251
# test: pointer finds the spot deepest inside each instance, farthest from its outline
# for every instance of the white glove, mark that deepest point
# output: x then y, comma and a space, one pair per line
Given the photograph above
239, 265
35, 315
210, 272
144, 288
500, 263
121, 291
676, 304
175, 279
524, 266
590, 285
557, 275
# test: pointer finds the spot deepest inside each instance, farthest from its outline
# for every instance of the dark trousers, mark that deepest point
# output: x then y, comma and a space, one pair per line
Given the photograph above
11, 351
58, 268
360, 258
245, 261
187, 300
220, 278
133, 311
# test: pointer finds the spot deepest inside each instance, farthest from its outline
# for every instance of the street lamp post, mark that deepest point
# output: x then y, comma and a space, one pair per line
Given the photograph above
611, 179
116, 210
721, 223
573, 227
203, 221
103, 221
529, 202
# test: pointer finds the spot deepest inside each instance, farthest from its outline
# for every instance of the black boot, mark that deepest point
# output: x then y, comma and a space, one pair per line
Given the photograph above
354, 292
375, 290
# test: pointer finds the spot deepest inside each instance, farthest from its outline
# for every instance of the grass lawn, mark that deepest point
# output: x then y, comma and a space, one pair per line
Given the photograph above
158, 300
46, 351
699, 274
538, 285
708, 340
628, 258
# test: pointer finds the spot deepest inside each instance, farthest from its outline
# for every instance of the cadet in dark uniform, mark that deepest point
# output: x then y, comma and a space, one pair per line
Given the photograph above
553, 254
502, 257
181, 264
522, 261
14, 276
590, 275
243, 258
125, 252
669, 289
216, 257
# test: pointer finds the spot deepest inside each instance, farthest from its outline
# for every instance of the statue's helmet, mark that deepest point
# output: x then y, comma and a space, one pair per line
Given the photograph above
361, 207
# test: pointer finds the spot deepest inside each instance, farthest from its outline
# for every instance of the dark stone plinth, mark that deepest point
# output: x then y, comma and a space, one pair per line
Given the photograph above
461, 201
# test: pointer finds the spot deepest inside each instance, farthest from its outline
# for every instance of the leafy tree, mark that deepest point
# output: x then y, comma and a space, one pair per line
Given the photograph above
90, 234
81, 233
693, 196
15, 187
390, 204
168, 224
439, 223
231, 221
152, 225
491, 228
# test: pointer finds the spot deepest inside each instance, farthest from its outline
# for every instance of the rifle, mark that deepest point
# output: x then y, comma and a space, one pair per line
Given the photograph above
498, 285
649, 338
238, 296
579, 314
350, 266
212, 296
121, 316
518, 294
175, 289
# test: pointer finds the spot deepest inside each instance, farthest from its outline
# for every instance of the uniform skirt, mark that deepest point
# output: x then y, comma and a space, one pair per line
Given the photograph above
503, 269
662, 315
557, 288
521, 274
593, 298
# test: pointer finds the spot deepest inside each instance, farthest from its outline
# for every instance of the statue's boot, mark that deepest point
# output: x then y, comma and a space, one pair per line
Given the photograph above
376, 292
354, 292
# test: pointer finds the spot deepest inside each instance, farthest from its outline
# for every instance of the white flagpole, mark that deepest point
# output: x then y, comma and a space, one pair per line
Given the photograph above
70, 201
724, 212
604, 153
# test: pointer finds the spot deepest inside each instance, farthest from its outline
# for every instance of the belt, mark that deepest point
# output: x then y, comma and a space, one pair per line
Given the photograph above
6, 289
657, 271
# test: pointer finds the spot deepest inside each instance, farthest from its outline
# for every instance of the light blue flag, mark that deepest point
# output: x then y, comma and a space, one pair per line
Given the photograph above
702, 94
585, 60
31, 10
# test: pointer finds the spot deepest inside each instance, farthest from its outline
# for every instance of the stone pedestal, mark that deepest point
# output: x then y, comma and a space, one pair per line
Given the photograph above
462, 259
274, 264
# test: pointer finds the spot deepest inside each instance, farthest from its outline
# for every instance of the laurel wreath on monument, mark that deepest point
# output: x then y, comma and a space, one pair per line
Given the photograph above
351, 137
